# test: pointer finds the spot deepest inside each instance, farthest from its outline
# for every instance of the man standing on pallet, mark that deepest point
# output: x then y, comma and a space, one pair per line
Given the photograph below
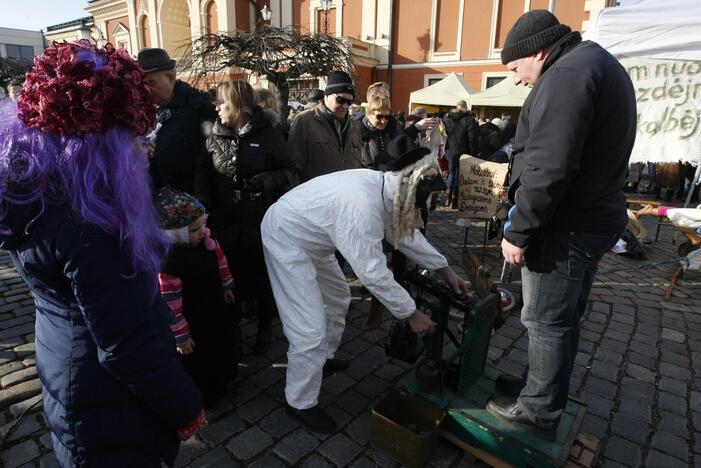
574, 138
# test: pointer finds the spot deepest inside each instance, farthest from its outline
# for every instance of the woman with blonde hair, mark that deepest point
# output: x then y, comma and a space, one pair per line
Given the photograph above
379, 128
242, 171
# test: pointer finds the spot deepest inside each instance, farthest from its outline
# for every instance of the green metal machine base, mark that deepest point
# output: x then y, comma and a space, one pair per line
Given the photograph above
469, 421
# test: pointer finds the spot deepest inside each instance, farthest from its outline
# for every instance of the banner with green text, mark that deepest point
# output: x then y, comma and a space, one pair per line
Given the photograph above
668, 96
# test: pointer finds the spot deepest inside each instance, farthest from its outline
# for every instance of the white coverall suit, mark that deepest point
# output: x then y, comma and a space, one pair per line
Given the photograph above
349, 211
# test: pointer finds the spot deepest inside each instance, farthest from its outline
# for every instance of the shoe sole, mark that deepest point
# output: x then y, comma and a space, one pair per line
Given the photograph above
533, 430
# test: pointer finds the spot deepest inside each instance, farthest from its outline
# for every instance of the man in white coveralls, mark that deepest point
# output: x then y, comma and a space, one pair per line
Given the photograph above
351, 211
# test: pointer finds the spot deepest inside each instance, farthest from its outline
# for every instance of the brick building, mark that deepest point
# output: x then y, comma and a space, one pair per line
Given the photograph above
409, 43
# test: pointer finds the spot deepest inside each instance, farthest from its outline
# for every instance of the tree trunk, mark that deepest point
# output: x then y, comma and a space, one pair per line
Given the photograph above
283, 97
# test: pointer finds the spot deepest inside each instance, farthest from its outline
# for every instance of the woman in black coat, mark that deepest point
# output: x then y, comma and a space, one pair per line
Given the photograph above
379, 127
242, 171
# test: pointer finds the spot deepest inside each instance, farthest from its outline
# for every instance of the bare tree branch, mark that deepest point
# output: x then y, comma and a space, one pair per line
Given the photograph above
13, 68
279, 53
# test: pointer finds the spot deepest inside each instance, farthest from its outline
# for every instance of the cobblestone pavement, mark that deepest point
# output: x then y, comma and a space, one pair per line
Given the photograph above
636, 368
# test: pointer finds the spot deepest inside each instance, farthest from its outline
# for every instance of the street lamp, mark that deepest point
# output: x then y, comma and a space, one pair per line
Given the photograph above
267, 13
326, 6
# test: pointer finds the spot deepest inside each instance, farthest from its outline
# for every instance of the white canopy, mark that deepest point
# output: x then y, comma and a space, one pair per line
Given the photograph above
657, 29
503, 94
447, 92
658, 42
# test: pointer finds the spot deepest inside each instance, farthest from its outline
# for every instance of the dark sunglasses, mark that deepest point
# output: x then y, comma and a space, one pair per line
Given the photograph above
382, 116
343, 101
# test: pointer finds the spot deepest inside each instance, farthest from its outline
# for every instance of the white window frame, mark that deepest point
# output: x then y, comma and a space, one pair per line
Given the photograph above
493, 51
486, 75
434, 56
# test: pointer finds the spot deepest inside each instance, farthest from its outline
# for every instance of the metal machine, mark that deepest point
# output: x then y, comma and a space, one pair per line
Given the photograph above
453, 378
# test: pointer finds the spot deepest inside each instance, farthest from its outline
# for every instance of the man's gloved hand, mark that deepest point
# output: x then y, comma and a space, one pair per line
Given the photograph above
255, 185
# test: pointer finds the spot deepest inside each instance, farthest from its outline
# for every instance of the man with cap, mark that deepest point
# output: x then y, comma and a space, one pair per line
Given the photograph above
351, 211
181, 112
574, 137
325, 139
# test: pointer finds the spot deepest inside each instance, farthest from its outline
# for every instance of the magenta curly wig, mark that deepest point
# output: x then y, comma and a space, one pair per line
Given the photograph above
74, 143
76, 88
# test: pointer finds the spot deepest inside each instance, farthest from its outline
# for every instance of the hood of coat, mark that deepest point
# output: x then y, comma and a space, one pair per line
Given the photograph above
562, 48
16, 223
260, 119
459, 114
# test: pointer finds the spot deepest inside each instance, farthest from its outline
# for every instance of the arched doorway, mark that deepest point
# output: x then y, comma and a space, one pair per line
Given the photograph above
211, 18
175, 26
145, 32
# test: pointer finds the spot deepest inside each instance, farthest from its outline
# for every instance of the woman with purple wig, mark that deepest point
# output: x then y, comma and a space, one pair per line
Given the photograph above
77, 216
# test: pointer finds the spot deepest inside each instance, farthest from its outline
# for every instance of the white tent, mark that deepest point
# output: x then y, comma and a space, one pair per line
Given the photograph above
655, 29
447, 92
659, 44
503, 94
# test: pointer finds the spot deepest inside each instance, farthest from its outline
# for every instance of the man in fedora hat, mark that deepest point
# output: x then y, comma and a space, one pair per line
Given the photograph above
181, 112
351, 211
325, 139
570, 159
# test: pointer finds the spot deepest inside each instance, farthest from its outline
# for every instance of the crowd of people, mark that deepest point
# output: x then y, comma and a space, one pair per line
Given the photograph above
149, 217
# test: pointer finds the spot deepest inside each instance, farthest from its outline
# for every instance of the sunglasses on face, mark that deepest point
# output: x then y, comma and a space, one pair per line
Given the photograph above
341, 101
382, 116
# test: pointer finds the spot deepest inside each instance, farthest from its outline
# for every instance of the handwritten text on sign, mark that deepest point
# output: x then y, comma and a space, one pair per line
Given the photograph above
668, 97
481, 187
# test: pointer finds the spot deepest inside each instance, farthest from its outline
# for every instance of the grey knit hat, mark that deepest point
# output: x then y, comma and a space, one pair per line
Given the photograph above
533, 31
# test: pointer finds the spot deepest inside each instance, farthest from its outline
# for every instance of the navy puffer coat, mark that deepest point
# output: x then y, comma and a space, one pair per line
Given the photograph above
114, 392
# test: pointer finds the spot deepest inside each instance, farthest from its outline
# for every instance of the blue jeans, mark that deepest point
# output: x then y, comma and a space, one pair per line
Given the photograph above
560, 269
454, 178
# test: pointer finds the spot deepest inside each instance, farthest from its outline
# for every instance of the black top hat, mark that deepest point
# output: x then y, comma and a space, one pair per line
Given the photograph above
153, 59
404, 152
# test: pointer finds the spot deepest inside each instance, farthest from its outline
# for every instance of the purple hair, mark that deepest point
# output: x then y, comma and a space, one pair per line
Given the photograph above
102, 176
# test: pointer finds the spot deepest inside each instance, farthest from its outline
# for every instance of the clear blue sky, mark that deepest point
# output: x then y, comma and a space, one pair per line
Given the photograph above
38, 14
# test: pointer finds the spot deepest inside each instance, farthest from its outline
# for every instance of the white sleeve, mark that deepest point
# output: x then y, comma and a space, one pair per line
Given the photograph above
360, 243
177, 236
421, 252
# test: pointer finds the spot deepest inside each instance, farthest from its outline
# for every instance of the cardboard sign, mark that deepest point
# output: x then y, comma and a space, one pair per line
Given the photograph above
481, 187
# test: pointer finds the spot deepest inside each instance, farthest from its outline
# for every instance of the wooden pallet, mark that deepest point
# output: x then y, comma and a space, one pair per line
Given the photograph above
584, 452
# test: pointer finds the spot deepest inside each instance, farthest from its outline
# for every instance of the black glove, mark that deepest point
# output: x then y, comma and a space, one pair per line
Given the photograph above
255, 185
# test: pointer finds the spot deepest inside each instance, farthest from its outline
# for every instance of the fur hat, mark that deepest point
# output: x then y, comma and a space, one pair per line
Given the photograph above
533, 31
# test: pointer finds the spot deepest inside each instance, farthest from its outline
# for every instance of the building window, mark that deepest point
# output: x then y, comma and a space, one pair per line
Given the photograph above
432, 81
19, 51
492, 80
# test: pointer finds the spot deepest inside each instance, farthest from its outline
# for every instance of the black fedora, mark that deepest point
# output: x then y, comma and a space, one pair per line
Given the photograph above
153, 59
404, 152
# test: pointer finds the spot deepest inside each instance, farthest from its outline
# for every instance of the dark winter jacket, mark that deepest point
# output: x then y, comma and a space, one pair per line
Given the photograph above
113, 390
490, 140
375, 142
240, 175
462, 131
317, 147
574, 137
180, 138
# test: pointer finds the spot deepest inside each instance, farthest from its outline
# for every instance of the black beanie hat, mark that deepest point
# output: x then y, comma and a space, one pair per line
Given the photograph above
533, 31
339, 82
